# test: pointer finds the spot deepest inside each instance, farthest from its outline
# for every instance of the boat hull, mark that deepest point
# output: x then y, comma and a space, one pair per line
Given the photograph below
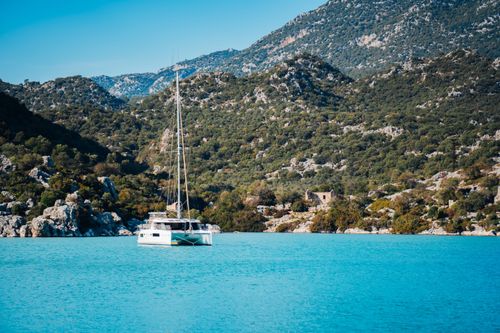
173, 238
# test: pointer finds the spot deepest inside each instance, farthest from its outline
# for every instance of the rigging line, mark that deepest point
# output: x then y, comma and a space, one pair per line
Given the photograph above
169, 187
185, 166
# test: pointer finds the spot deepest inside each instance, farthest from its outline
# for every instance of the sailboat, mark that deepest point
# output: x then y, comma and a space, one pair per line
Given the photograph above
160, 229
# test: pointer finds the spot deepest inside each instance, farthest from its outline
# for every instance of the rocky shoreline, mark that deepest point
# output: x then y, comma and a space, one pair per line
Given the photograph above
68, 218
297, 222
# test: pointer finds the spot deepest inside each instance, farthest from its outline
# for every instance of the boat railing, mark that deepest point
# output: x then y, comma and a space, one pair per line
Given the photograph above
157, 226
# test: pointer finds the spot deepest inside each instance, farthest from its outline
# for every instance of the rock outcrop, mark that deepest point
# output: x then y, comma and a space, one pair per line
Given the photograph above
10, 225
6, 164
61, 220
109, 186
40, 176
478, 231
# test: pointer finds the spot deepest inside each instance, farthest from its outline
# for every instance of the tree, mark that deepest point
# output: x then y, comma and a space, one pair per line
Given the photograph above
299, 206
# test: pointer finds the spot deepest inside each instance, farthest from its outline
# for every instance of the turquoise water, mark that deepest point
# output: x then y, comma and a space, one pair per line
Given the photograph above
252, 283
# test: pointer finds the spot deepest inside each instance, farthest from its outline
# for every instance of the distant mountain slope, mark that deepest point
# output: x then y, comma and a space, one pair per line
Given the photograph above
73, 91
142, 84
362, 36
359, 37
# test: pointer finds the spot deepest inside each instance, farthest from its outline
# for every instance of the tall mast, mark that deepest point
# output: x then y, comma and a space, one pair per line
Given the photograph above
179, 149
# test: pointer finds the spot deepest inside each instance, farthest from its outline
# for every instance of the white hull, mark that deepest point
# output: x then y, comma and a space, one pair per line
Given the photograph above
170, 238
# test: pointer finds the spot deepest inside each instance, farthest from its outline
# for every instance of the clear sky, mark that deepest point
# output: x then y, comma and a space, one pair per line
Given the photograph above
42, 40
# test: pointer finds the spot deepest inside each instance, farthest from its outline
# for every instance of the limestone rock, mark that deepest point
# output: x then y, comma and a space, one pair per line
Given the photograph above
122, 231
109, 186
30, 203
72, 198
10, 224
24, 231
8, 196
439, 231
133, 224
478, 231
6, 165
89, 233
107, 223
40, 176
48, 161
356, 231
61, 220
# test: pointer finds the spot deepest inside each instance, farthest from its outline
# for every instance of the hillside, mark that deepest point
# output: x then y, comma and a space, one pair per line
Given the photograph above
82, 106
360, 37
74, 91
401, 149
303, 123
19, 124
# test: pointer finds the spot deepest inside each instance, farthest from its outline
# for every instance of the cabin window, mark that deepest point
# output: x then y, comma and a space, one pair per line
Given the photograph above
141, 235
324, 197
156, 235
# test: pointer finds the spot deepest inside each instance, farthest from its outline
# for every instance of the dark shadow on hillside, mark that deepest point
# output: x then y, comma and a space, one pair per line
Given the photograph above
15, 118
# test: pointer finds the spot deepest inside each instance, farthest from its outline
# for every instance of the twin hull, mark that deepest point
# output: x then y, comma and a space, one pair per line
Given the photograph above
173, 237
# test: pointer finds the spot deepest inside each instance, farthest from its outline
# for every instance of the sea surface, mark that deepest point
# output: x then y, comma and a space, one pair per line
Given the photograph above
252, 283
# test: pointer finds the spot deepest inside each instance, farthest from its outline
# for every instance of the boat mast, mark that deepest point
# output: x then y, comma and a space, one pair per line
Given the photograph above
179, 148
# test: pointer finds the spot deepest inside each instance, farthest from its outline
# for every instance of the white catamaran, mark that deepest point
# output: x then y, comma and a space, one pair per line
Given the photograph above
163, 230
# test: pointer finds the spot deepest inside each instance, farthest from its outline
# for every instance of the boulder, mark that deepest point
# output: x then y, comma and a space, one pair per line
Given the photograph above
24, 231
61, 220
6, 165
41, 227
107, 224
10, 225
30, 203
214, 228
109, 186
356, 231
72, 198
122, 231
48, 161
439, 231
382, 231
8, 196
89, 233
40, 176
133, 224
478, 231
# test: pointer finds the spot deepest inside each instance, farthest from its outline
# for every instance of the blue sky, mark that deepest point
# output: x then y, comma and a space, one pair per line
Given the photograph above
42, 40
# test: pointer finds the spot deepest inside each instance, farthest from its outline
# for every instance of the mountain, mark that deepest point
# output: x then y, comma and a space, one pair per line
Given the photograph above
143, 84
359, 37
364, 36
70, 91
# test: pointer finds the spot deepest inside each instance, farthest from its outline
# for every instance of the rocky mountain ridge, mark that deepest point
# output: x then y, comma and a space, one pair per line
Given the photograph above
143, 84
360, 37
